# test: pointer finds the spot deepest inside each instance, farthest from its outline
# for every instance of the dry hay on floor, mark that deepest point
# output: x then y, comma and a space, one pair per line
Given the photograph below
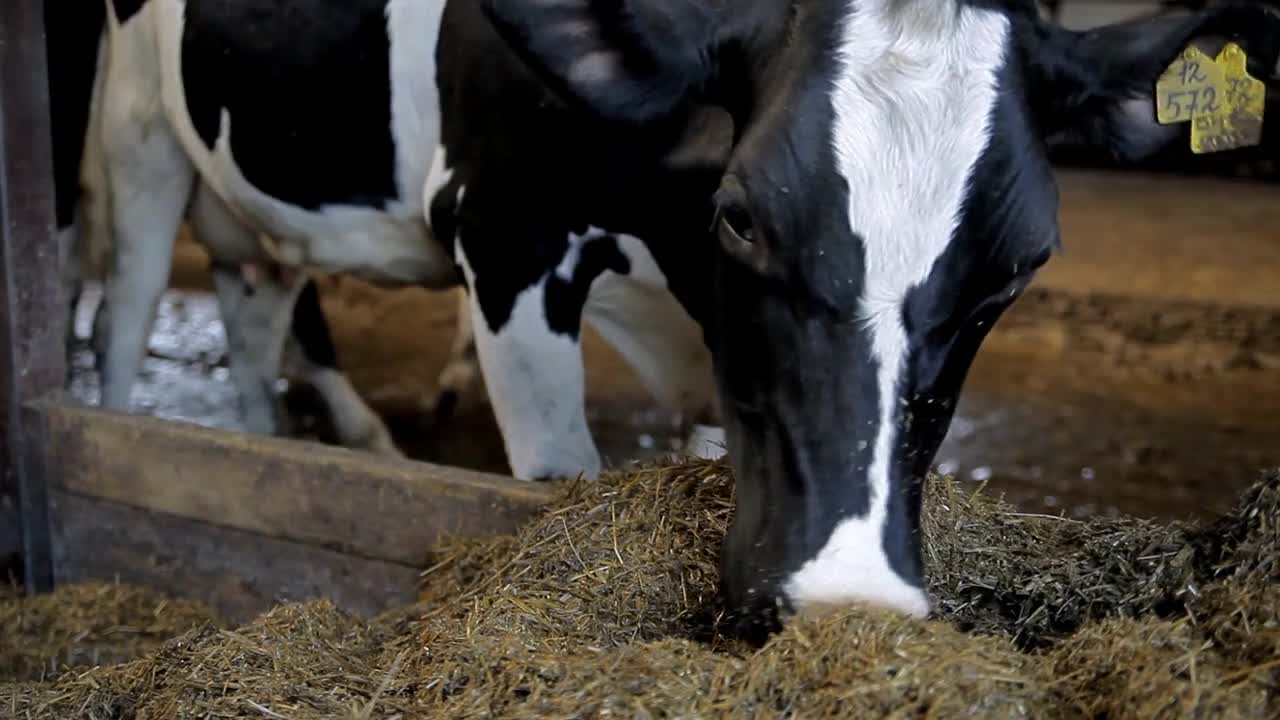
605, 605
80, 626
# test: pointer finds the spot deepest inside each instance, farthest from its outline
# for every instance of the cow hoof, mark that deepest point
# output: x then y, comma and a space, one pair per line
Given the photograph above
558, 470
552, 477
384, 446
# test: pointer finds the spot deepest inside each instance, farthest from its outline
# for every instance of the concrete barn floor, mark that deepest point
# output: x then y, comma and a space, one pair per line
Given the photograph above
1141, 374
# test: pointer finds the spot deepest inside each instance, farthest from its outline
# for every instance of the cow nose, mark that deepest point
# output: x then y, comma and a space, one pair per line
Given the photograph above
748, 586
753, 615
853, 568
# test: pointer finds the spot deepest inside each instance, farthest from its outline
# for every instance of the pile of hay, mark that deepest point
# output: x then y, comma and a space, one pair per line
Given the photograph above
82, 626
605, 605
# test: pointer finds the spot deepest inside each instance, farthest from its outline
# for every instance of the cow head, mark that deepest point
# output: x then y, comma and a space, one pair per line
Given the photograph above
886, 198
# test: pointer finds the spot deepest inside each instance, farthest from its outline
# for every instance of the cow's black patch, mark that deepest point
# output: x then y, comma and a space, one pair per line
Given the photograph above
565, 299
311, 330
307, 87
72, 40
499, 280
124, 9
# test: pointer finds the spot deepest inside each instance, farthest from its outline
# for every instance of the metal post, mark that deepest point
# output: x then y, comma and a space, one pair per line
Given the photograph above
32, 351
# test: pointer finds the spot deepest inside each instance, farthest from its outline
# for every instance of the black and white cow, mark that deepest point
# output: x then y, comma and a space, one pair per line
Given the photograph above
331, 180
804, 215
134, 128
882, 197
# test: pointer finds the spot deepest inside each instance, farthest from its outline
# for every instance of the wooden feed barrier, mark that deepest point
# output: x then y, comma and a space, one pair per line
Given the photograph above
236, 520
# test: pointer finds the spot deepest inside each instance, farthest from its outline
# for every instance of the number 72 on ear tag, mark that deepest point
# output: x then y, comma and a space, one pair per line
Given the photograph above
1223, 103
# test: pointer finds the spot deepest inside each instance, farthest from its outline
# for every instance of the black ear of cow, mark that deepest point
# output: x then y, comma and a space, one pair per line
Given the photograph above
1098, 86
626, 60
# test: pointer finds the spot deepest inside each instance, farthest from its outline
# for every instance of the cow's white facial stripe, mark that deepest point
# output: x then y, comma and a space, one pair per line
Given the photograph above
537, 386
912, 117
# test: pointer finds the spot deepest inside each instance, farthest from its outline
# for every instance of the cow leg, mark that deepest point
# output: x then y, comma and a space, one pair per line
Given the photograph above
637, 315
150, 179
254, 313
310, 350
533, 370
73, 286
271, 316
461, 384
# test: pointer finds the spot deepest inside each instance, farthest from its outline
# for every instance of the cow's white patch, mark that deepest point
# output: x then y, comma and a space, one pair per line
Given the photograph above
413, 26
568, 264
439, 176
912, 116
537, 386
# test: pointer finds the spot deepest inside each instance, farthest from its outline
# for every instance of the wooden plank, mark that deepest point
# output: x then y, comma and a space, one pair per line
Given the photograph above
354, 502
33, 317
239, 574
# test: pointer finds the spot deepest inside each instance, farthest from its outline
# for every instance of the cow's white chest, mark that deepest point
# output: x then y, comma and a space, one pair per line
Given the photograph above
391, 245
912, 103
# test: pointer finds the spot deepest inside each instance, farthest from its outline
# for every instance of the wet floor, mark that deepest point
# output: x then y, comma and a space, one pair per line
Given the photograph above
1141, 374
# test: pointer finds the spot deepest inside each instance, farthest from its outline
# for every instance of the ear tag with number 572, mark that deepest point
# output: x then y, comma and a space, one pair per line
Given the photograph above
1223, 103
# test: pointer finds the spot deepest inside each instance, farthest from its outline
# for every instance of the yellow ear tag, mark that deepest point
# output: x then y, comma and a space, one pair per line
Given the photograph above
1223, 103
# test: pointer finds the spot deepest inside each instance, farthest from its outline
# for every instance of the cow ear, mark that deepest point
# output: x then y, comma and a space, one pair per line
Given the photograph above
1098, 87
626, 60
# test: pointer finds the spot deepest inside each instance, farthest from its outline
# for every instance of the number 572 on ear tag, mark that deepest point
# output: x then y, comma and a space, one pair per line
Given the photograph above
1223, 103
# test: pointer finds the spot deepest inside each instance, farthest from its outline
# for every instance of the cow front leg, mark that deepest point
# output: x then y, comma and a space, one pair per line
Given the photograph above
533, 367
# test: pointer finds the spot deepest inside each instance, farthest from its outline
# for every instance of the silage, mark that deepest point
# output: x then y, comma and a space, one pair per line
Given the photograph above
89, 624
605, 606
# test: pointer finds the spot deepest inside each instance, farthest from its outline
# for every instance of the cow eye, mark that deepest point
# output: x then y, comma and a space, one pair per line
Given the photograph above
739, 236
